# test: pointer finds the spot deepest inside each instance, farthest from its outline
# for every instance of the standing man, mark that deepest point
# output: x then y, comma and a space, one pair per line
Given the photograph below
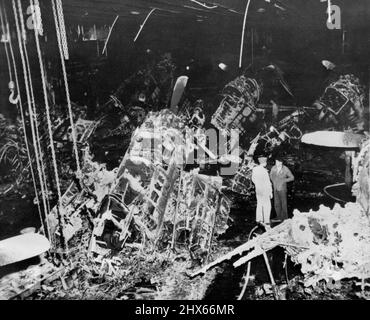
261, 180
280, 175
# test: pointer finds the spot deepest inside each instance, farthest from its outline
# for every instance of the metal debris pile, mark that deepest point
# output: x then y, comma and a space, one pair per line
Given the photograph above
241, 182
13, 156
154, 201
342, 103
33, 278
238, 106
361, 176
155, 215
328, 244
338, 243
148, 89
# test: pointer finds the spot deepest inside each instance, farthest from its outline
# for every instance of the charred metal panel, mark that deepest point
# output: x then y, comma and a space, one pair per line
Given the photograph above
238, 106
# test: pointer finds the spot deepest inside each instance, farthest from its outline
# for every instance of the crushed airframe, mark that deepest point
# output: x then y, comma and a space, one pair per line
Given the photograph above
151, 201
145, 200
154, 201
329, 244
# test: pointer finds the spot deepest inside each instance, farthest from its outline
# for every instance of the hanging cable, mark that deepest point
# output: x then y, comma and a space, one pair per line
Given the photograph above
110, 32
5, 38
39, 26
21, 110
50, 132
21, 39
73, 128
13, 98
243, 32
33, 114
62, 28
142, 26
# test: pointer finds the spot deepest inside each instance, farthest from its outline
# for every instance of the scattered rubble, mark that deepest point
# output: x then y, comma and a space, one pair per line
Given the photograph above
342, 104
329, 244
137, 230
154, 200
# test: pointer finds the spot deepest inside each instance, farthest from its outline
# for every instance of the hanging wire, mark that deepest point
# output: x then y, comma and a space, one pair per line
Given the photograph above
142, 26
33, 116
62, 28
50, 132
6, 39
243, 32
110, 31
20, 107
22, 39
73, 127
38, 25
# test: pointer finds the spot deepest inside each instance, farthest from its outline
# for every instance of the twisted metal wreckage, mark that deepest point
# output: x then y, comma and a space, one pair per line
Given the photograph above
152, 200
329, 244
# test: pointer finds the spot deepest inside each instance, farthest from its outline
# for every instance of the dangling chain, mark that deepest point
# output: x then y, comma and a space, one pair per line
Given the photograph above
50, 132
6, 39
34, 122
62, 28
73, 127
27, 79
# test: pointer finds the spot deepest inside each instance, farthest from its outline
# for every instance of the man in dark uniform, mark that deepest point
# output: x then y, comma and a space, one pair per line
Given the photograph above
280, 175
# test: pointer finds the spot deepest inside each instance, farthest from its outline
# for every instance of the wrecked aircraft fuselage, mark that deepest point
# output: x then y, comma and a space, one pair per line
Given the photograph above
149, 202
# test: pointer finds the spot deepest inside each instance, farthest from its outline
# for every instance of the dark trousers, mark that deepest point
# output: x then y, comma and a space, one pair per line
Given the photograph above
280, 204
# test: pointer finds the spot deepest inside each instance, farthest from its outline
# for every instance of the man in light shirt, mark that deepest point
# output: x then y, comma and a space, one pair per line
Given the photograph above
262, 183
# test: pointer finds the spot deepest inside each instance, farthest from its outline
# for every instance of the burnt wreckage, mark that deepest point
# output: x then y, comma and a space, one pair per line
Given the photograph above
153, 198
161, 198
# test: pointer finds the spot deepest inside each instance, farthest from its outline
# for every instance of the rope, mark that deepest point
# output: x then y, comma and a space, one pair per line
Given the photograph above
33, 117
73, 128
243, 32
12, 98
21, 37
38, 23
21, 110
50, 132
62, 28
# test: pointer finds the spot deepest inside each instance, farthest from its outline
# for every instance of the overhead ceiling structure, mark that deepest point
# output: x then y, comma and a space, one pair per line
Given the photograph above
78, 10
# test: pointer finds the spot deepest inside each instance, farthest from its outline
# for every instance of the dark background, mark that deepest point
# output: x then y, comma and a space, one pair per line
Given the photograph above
296, 39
